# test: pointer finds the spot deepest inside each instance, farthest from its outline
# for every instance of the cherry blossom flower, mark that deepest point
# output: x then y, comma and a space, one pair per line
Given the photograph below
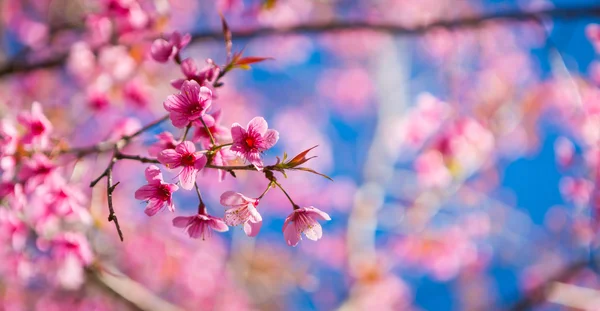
190, 104
184, 155
156, 192
212, 122
58, 201
249, 142
303, 220
163, 50
200, 225
37, 125
165, 141
205, 77
242, 211
37, 171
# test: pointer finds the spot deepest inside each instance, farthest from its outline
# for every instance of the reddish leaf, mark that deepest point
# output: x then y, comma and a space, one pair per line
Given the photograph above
250, 60
306, 169
301, 157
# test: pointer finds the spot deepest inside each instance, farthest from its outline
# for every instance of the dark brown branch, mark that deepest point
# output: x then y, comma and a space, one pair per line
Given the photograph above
108, 172
395, 29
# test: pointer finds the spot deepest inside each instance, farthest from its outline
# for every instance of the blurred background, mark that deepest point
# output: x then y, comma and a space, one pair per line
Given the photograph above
462, 137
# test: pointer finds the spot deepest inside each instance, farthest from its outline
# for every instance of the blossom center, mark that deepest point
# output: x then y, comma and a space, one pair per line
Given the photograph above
188, 159
37, 128
250, 142
164, 192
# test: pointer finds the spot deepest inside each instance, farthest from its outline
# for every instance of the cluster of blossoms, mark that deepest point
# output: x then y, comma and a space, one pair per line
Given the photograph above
42, 215
189, 109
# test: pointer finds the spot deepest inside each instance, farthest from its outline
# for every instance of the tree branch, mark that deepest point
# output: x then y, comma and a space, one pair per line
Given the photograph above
571, 13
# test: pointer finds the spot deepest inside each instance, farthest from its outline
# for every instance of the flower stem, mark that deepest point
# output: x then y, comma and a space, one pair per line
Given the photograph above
215, 148
201, 206
212, 139
185, 133
286, 194
266, 190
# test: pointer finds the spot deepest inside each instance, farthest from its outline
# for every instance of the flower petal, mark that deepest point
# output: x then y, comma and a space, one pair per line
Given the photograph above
316, 213
187, 177
238, 133
258, 125
153, 174
182, 221
170, 158
252, 228
269, 139
145, 192
314, 231
291, 234
231, 198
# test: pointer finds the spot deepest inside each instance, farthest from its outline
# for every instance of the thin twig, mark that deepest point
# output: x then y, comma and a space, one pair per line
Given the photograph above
572, 13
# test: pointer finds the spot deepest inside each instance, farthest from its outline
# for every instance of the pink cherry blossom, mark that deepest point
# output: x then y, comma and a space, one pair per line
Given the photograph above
8, 138
248, 143
242, 211
37, 125
37, 171
72, 244
162, 50
205, 77
212, 122
184, 155
303, 220
190, 104
156, 192
57, 201
200, 225
165, 141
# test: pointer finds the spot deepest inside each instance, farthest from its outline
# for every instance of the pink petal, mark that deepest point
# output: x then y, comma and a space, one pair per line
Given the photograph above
153, 174
197, 229
314, 231
145, 192
316, 213
231, 198
178, 119
182, 221
257, 125
291, 234
269, 139
187, 177
177, 83
237, 132
186, 147
218, 224
190, 90
189, 68
154, 205
252, 228
161, 50
200, 162
170, 158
